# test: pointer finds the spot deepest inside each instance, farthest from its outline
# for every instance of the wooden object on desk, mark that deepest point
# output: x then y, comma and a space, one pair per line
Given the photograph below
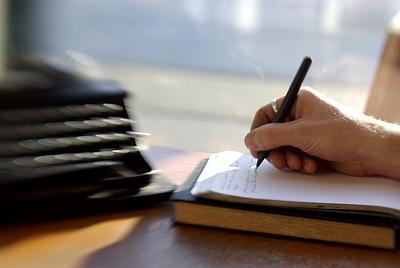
149, 238
385, 92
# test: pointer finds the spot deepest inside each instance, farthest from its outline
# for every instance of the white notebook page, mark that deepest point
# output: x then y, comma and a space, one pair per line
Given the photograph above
233, 173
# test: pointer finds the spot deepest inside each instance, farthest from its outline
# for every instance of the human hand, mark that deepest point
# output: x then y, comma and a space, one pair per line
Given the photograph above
320, 131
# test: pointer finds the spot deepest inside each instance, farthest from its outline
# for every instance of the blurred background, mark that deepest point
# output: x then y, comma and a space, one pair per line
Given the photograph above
197, 70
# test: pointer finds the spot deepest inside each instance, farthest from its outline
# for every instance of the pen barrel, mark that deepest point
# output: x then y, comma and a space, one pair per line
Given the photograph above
294, 88
288, 101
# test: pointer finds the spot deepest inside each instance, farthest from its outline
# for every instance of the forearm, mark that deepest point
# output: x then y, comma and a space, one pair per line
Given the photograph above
383, 151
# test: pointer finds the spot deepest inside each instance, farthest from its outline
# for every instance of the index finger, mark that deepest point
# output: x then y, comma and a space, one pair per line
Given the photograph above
265, 114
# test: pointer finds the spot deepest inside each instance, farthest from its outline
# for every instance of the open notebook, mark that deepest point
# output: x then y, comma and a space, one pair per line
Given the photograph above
231, 177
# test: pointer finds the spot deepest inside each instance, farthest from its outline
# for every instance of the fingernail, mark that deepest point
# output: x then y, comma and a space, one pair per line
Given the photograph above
249, 141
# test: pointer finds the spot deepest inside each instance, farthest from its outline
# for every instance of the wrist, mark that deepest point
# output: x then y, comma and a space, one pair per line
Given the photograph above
382, 152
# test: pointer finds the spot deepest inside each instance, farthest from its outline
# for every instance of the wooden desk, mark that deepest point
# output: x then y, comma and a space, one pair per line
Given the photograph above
148, 238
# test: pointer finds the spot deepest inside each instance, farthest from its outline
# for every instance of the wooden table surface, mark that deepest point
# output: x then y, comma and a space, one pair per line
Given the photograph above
149, 238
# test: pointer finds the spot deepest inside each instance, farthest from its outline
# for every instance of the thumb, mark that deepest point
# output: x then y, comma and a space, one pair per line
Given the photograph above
274, 135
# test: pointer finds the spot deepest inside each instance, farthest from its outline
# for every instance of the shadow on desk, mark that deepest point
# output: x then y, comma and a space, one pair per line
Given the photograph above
13, 234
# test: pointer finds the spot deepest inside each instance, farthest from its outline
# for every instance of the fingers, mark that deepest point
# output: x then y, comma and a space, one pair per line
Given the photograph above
293, 160
277, 158
265, 114
310, 166
297, 160
263, 138
267, 136
271, 136
288, 158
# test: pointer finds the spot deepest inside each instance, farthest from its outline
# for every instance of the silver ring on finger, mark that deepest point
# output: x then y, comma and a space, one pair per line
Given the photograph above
274, 106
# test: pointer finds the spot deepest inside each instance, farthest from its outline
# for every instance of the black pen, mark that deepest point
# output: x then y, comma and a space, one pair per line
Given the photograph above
288, 101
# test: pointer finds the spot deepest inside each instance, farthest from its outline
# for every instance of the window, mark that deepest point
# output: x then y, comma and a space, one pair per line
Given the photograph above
199, 69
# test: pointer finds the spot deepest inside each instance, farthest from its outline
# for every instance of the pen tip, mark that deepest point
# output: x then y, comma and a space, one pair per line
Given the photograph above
259, 161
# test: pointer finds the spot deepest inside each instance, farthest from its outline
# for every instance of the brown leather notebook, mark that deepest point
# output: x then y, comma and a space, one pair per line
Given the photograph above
345, 226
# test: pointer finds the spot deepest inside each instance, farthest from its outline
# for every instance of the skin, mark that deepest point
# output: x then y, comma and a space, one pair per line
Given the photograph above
321, 132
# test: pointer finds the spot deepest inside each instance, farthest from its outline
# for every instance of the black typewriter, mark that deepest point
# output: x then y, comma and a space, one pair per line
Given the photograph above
68, 146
